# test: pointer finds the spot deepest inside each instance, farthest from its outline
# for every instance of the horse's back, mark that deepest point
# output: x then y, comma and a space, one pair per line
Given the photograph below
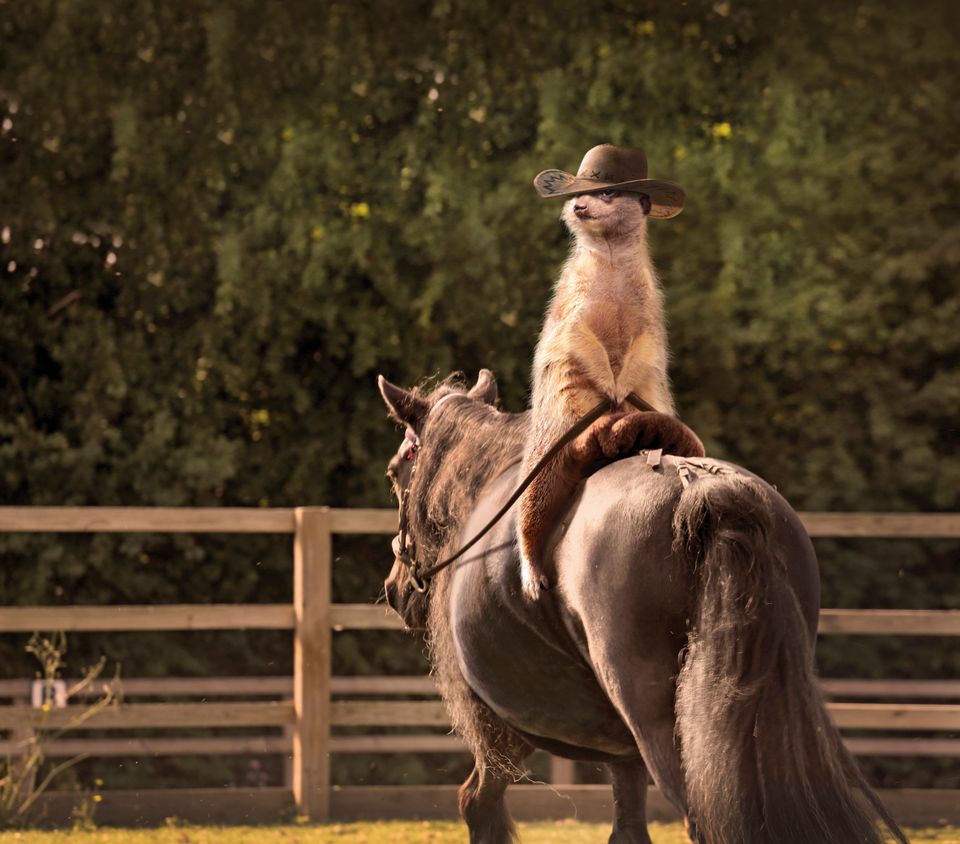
620, 539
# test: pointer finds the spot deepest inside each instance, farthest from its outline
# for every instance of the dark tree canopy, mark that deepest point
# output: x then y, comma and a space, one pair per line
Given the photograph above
220, 221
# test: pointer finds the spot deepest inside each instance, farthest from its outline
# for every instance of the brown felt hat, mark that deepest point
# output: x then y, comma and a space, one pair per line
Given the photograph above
607, 167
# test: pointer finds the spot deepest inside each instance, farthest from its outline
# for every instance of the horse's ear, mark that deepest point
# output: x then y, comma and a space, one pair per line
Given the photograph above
486, 387
404, 407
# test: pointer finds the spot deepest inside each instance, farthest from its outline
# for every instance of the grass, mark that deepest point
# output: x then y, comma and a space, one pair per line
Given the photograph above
394, 832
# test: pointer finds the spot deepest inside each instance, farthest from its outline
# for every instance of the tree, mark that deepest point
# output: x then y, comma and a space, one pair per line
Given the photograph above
227, 218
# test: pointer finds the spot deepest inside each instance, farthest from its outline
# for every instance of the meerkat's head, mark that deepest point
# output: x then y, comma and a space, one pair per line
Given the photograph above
609, 214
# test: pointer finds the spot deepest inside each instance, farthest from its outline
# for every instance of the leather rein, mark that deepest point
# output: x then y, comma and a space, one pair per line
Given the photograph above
403, 545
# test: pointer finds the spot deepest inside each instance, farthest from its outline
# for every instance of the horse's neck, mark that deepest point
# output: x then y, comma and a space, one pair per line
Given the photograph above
506, 442
483, 453
489, 453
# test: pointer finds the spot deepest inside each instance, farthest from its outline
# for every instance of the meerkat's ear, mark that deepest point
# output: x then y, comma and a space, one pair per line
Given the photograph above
405, 408
486, 387
645, 203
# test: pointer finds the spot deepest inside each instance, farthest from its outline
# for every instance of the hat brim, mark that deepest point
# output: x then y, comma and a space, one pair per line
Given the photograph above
666, 198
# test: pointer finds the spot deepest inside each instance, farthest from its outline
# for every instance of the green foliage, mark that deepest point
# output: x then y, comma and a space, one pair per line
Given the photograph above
24, 773
222, 220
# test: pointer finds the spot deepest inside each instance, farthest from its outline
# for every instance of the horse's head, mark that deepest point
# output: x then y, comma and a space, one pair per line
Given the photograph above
430, 420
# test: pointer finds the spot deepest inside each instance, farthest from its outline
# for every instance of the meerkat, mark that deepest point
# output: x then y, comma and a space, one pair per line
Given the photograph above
604, 337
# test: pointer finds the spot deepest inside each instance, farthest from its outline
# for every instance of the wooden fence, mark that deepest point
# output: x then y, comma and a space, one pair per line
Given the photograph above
311, 703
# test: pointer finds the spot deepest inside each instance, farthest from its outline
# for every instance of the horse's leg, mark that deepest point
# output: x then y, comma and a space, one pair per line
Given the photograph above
483, 807
659, 749
642, 692
629, 803
498, 751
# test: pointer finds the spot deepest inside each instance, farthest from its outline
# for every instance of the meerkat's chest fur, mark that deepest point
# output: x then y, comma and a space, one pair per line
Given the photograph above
605, 330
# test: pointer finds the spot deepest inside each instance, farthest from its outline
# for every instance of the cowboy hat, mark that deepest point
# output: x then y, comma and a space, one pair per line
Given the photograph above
607, 167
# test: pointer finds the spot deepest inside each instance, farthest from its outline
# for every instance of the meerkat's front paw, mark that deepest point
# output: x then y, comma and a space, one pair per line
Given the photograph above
599, 443
631, 432
673, 436
620, 435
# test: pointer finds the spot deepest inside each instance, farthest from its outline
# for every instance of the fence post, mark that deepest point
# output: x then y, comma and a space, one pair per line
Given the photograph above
312, 557
562, 771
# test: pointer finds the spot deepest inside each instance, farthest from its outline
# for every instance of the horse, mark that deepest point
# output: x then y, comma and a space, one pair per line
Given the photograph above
677, 641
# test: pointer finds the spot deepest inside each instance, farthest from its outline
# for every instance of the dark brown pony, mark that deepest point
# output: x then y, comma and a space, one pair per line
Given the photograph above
678, 640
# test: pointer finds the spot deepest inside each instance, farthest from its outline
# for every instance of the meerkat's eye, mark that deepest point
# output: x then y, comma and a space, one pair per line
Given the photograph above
607, 195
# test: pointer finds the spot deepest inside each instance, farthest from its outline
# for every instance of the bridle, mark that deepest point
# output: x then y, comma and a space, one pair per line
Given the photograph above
404, 548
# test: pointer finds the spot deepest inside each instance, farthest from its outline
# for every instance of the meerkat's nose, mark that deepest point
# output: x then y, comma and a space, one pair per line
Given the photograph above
579, 208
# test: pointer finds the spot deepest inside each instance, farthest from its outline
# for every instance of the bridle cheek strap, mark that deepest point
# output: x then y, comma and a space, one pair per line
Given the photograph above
403, 547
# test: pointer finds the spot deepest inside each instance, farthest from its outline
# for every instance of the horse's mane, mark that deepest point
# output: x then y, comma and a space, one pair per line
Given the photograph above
465, 444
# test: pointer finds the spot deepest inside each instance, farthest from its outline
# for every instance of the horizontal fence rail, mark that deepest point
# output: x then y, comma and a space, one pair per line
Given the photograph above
142, 617
305, 716
882, 525
418, 685
360, 520
379, 617
150, 716
588, 803
389, 713
389, 743
185, 520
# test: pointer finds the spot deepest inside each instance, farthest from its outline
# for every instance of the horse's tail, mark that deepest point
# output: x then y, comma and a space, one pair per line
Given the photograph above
762, 761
